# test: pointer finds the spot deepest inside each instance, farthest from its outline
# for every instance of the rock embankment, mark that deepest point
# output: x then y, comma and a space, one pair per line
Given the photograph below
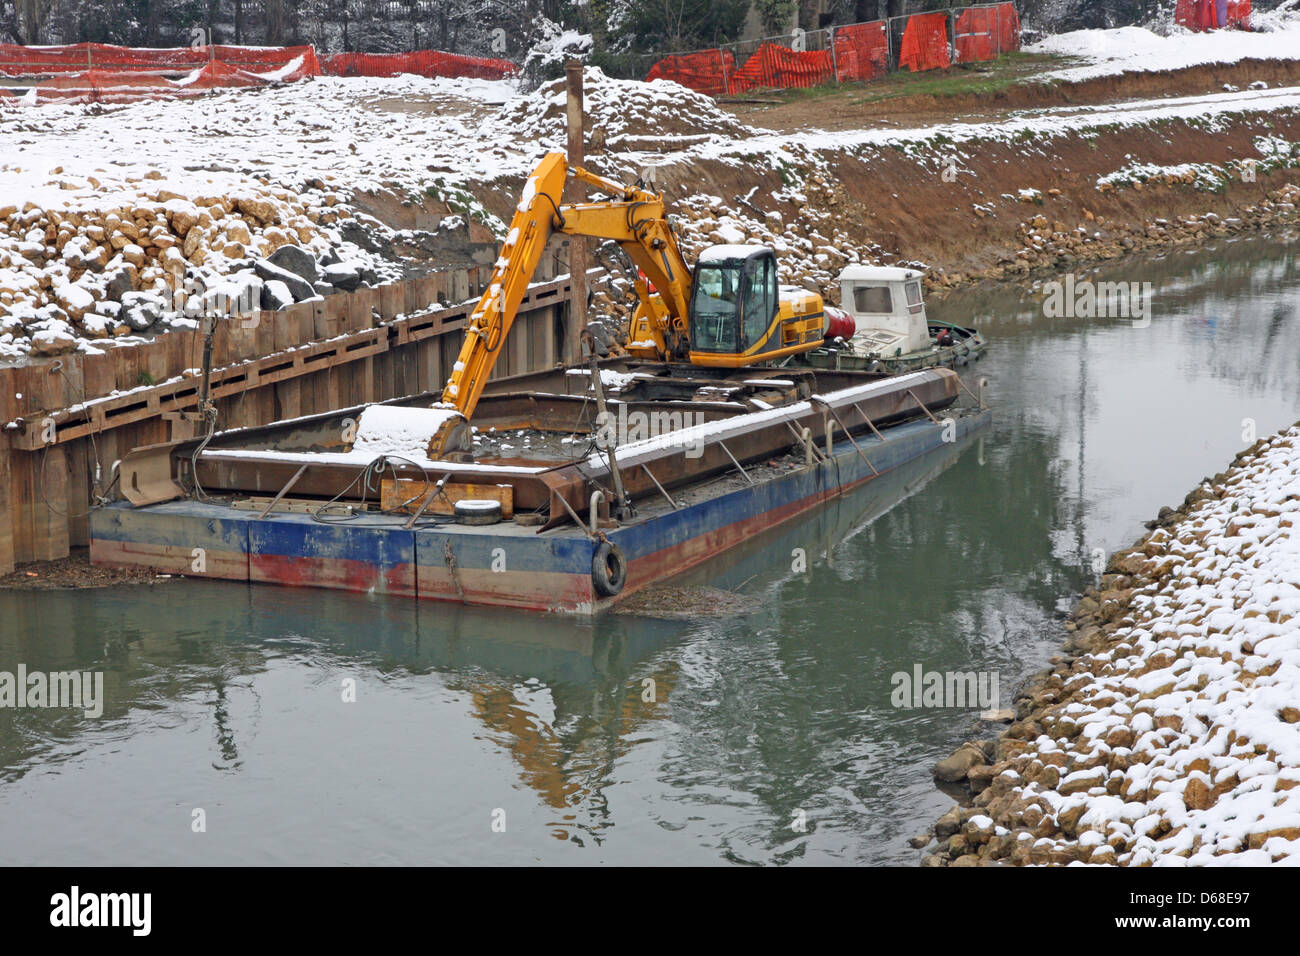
116, 264
1169, 731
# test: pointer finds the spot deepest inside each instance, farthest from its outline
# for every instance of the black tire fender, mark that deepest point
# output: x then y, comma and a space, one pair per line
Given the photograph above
608, 569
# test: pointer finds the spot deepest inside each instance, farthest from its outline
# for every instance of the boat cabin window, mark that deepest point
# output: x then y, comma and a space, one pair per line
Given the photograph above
715, 308
873, 298
913, 290
760, 299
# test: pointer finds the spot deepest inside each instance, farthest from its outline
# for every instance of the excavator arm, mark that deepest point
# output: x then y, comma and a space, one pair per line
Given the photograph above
747, 318
635, 220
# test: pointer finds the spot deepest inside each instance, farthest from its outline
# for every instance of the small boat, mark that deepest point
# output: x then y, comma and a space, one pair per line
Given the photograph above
882, 327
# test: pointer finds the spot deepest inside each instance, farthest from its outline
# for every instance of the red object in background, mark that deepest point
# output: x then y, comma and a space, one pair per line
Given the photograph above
839, 324
1009, 27
861, 51
1199, 15
703, 72
781, 68
925, 43
976, 35
81, 57
419, 62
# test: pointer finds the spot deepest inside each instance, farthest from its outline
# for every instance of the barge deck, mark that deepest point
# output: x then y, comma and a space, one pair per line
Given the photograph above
780, 464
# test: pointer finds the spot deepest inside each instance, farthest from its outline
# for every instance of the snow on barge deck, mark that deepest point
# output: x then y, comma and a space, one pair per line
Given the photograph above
294, 503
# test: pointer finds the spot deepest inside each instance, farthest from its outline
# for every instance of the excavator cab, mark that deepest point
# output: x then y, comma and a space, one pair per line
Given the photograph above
734, 302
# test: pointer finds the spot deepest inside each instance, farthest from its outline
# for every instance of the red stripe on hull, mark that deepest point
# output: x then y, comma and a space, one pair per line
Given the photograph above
338, 573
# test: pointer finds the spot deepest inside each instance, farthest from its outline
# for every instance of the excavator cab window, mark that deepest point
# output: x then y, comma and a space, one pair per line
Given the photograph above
733, 303
715, 307
760, 298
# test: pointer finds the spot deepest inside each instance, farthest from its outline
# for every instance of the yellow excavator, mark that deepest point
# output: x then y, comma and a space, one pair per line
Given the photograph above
730, 311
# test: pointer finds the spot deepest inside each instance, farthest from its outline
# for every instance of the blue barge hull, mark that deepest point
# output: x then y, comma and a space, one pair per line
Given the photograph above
503, 564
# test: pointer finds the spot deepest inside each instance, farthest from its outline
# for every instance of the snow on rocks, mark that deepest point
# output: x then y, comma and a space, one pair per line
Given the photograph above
1173, 737
74, 243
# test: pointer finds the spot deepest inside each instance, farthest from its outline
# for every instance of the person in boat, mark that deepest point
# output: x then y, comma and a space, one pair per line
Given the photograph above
944, 337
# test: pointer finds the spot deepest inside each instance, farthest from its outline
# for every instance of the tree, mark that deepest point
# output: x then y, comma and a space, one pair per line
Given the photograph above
30, 17
676, 25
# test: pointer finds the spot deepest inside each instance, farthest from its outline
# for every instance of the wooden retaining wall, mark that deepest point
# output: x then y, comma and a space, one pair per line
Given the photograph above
68, 418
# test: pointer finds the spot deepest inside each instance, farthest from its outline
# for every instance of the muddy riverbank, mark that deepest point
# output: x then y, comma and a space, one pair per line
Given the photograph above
1169, 729
75, 572
969, 199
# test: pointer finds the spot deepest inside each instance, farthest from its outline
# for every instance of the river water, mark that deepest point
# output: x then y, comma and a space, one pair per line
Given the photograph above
769, 736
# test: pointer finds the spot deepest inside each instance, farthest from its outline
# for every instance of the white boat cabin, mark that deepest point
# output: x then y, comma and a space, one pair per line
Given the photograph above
887, 308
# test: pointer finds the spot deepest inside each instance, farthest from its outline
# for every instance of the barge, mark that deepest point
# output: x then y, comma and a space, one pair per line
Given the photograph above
617, 475
307, 502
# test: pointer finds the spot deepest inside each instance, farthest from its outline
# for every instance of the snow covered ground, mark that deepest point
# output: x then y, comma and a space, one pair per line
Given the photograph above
256, 169
1138, 50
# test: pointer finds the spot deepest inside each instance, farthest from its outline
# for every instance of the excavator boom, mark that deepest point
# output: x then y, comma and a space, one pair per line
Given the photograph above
750, 320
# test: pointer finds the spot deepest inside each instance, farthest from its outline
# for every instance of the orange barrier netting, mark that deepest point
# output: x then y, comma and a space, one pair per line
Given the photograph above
925, 43
420, 62
861, 51
120, 74
126, 84
1200, 15
976, 35
705, 72
81, 57
1009, 23
780, 67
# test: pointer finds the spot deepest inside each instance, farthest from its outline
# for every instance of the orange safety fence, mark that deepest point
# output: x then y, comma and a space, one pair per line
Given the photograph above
975, 34
1200, 15
925, 43
420, 62
1009, 24
705, 72
119, 74
123, 85
80, 57
861, 51
779, 67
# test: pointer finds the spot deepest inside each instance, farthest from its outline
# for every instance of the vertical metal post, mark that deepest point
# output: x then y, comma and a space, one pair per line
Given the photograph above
835, 66
622, 503
726, 84
577, 244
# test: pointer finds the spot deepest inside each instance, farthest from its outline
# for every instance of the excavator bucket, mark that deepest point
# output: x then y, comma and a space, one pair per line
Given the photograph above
453, 440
